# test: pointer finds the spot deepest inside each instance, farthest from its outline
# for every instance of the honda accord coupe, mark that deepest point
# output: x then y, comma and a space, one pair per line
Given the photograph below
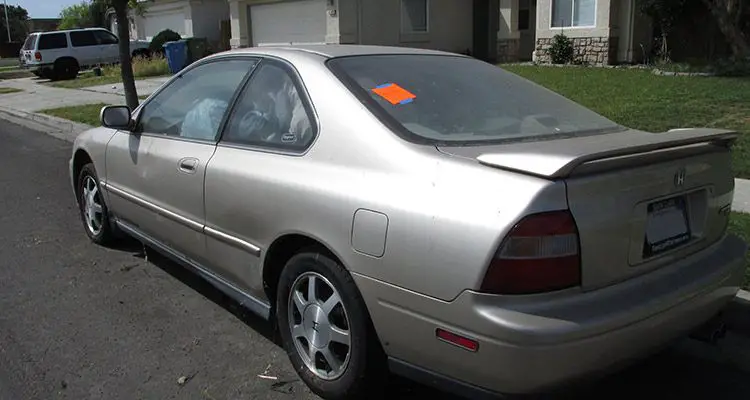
419, 212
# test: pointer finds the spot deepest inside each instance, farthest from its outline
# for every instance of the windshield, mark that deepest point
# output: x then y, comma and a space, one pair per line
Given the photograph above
454, 100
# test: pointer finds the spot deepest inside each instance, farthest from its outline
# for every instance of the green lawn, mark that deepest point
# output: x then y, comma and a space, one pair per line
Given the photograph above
6, 90
740, 225
641, 100
87, 114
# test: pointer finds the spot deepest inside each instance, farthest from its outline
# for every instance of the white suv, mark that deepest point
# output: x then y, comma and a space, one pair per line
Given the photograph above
61, 54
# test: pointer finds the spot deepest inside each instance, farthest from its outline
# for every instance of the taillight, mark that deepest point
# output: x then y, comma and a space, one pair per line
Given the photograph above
540, 254
38, 56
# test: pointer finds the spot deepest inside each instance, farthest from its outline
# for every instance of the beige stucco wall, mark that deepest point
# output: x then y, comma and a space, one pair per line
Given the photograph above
206, 16
544, 16
449, 27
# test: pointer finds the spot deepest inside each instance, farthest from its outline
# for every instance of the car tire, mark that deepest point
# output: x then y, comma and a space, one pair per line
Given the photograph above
92, 207
66, 68
335, 371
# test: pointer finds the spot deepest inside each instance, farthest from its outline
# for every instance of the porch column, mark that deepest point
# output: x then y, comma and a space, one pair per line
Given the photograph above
188, 12
508, 36
238, 20
333, 35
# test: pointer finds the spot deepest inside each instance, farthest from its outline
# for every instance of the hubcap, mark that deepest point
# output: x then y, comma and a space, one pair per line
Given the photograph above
92, 205
319, 325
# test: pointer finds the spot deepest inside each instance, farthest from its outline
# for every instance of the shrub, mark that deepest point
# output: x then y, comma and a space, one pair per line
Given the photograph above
162, 37
154, 66
561, 51
729, 67
143, 67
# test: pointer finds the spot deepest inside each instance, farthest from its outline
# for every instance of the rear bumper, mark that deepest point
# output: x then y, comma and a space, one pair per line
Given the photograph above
37, 67
531, 344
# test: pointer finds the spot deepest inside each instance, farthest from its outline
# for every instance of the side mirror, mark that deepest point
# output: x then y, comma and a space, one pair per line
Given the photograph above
115, 117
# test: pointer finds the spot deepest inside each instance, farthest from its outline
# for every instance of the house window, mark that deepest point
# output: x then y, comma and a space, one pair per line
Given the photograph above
414, 16
571, 13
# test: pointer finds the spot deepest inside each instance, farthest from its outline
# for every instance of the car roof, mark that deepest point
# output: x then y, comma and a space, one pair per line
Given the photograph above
339, 50
69, 30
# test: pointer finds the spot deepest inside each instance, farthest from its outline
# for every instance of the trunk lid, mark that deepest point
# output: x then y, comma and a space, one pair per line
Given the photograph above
640, 200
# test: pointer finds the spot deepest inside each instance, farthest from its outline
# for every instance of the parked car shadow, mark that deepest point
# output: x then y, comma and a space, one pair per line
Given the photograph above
672, 373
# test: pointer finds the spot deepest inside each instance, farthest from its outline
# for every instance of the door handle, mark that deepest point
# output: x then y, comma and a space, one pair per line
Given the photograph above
188, 165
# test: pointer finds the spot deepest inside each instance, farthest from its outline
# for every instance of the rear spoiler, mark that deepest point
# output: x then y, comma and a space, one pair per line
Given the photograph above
554, 159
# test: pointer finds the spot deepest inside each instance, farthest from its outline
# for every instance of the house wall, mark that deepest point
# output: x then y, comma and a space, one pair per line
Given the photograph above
593, 45
206, 18
450, 25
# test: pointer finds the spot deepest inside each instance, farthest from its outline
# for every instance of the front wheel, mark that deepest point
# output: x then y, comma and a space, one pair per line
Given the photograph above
326, 329
93, 209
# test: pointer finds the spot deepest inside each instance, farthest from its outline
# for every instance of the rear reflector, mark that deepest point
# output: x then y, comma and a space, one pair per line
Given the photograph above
540, 254
460, 341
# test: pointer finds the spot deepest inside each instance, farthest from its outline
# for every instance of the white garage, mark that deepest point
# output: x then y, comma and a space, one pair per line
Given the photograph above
158, 19
292, 22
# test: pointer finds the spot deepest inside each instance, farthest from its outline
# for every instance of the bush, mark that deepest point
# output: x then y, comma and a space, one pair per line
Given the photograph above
143, 67
729, 67
162, 37
561, 51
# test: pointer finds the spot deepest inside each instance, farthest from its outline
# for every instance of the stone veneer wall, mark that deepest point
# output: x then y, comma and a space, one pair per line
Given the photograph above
590, 50
507, 50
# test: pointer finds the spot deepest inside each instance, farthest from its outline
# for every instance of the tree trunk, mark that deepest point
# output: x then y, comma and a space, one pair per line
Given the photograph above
126, 67
723, 11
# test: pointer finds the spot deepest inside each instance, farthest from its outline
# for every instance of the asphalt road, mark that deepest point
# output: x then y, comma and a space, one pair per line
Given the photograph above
78, 321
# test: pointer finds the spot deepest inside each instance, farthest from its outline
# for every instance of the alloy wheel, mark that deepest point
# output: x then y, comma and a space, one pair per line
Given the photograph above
319, 325
93, 211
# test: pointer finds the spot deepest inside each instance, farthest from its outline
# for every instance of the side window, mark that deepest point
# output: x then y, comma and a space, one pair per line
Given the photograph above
105, 37
270, 112
49, 41
82, 38
193, 104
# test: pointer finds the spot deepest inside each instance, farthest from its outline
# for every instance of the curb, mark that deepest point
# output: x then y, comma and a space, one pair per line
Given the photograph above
737, 313
57, 127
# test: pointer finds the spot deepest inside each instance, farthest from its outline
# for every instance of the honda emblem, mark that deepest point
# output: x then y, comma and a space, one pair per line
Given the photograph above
679, 177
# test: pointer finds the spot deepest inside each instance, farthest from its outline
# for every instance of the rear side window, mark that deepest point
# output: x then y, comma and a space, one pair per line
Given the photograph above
82, 38
30, 42
49, 41
453, 100
105, 37
271, 112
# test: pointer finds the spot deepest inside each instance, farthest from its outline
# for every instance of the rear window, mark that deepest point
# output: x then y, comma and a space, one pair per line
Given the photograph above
456, 100
30, 42
50, 41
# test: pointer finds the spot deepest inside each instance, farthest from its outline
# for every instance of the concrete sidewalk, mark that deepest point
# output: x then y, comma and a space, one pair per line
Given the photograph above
37, 96
144, 87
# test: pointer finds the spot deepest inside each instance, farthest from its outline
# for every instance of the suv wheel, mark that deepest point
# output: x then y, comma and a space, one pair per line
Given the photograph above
66, 68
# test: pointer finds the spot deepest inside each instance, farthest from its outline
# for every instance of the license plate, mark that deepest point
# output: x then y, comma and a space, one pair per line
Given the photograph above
667, 226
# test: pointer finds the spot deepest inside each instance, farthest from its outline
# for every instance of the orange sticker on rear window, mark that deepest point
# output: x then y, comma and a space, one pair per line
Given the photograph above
394, 93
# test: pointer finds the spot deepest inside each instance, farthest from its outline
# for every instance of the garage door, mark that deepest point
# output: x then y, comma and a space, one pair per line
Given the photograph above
157, 22
288, 23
